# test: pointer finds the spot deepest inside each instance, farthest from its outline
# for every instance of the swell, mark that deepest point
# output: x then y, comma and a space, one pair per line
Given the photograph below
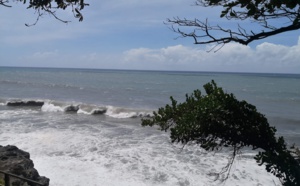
40, 84
78, 108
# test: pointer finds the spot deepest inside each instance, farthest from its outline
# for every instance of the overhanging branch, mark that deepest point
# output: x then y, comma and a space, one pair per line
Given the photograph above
203, 33
50, 7
272, 17
4, 3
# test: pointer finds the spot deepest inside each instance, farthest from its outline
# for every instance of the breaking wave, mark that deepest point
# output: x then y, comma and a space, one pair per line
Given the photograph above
79, 108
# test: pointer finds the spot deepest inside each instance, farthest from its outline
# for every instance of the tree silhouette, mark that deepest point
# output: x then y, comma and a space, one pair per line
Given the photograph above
50, 7
272, 16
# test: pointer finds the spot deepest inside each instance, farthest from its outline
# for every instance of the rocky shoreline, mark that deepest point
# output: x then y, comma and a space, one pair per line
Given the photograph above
16, 161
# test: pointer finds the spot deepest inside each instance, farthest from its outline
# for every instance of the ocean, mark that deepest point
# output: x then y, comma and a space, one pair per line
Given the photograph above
83, 126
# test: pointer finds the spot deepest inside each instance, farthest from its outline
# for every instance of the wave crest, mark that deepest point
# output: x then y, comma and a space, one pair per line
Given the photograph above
56, 106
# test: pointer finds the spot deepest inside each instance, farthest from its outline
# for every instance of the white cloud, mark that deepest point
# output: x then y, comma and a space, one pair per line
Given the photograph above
278, 56
233, 57
44, 55
130, 34
266, 57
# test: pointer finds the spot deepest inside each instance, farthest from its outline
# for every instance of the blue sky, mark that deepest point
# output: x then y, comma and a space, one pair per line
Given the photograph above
131, 34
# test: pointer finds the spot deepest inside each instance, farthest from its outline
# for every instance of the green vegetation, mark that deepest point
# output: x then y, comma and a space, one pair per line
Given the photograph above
2, 182
217, 120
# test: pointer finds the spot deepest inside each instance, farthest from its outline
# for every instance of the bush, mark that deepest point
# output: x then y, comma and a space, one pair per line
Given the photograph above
217, 120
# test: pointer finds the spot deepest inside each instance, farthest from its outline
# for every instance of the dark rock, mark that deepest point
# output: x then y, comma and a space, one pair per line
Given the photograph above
98, 111
18, 162
71, 108
26, 103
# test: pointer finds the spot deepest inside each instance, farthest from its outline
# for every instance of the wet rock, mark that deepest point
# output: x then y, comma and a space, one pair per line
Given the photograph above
26, 103
71, 108
98, 111
18, 162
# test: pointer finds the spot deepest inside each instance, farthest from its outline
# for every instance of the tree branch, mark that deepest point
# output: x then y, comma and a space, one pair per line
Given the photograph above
265, 13
3, 3
240, 36
50, 6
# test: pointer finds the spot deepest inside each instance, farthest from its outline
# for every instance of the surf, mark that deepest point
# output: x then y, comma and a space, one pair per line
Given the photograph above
78, 108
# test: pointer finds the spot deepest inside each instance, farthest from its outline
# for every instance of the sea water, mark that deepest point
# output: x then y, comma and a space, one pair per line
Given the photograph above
83, 127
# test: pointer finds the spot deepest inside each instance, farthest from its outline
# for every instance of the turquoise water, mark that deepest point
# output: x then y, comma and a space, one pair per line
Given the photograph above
113, 143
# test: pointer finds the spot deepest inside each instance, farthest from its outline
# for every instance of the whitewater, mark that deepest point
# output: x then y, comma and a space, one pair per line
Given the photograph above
83, 127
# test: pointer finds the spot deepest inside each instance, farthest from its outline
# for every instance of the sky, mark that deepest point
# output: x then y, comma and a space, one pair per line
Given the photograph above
131, 34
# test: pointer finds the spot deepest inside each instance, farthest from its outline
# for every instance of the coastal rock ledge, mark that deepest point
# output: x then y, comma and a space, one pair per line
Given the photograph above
18, 162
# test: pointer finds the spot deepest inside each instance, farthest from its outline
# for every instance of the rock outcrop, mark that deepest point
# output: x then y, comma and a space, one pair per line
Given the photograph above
72, 108
26, 103
18, 162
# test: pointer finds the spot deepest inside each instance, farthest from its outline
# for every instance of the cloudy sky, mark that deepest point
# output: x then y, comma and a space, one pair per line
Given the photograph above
131, 34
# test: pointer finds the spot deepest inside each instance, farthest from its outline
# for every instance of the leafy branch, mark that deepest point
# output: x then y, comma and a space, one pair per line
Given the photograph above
49, 7
218, 120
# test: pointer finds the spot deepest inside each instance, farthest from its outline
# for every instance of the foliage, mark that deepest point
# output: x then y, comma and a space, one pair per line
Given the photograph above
273, 17
217, 120
50, 6
2, 182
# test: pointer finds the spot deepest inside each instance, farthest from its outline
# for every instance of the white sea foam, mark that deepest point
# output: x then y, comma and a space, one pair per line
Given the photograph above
49, 107
80, 111
12, 114
84, 150
117, 112
56, 106
91, 109
83, 157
